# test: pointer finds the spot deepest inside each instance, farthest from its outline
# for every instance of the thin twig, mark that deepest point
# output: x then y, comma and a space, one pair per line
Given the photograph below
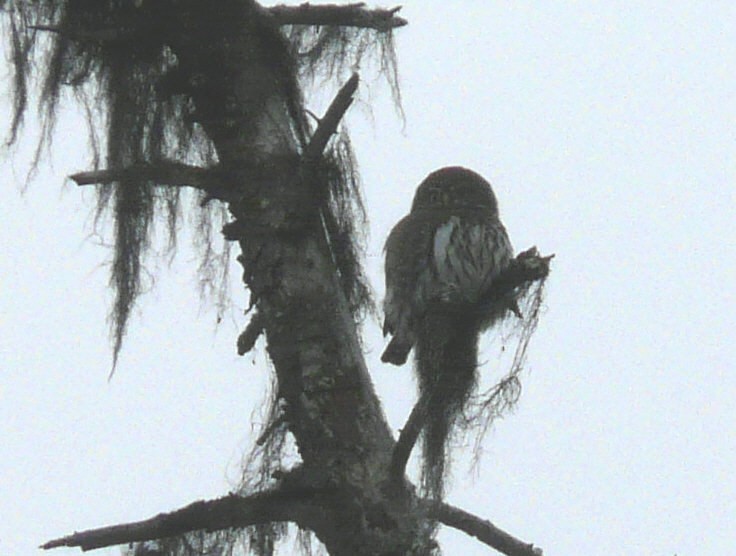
269, 430
407, 439
252, 332
170, 173
100, 35
329, 122
482, 529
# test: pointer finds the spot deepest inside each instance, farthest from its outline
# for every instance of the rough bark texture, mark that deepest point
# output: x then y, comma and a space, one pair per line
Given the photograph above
331, 406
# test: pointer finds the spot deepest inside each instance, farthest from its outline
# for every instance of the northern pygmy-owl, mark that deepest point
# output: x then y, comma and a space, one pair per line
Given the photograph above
441, 260
445, 252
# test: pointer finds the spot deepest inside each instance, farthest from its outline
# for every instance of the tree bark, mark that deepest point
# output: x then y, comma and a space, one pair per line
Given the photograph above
331, 406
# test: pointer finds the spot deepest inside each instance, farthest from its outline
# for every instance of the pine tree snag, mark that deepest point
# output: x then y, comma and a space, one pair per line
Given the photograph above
168, 67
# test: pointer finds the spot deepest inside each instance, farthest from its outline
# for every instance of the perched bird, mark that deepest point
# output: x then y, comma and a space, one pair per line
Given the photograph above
441, 260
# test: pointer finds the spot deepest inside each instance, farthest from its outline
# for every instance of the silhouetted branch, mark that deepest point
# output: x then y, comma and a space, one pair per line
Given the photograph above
525, 269
349, 15
169, 173
482, 529
211, 515
528, 266
329, 122
248, 337
100, 35
407, 439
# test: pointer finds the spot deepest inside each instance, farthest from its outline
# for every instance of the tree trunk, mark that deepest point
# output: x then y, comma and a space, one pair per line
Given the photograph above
331, 406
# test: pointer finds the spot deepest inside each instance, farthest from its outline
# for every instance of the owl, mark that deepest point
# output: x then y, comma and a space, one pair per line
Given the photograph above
445, 252
441, 261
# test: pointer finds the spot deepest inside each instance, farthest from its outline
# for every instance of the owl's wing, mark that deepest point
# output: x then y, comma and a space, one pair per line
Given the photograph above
434, 257
408, 252
408, 255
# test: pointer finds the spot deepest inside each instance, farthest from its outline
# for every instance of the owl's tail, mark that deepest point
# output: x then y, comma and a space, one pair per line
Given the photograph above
446, 362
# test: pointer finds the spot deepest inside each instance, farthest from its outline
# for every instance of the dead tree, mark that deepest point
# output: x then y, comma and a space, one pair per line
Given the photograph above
208, 96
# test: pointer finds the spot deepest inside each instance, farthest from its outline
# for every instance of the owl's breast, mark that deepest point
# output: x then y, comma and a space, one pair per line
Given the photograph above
467, 254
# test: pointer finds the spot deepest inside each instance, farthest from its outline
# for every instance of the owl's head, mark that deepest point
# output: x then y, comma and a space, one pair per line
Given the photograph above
455, 187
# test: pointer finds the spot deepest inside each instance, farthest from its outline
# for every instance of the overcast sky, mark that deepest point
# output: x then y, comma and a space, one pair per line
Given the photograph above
608, 132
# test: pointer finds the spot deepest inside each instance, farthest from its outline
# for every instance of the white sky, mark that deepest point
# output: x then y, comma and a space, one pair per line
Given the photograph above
607, 129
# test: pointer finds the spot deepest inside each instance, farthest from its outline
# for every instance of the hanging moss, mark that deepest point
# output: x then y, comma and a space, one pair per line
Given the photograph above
115, 57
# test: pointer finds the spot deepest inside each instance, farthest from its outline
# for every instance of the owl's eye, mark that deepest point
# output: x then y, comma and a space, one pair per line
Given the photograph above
436, 197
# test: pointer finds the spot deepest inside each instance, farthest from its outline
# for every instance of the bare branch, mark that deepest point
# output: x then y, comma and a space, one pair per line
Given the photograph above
168, 173
100, 35
349, 15
482, 529
407, 439
328, 124
252, 332
528, 267
210, 515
